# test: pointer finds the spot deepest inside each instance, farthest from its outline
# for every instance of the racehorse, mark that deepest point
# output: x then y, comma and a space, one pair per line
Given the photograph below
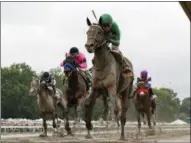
107, 78
142, 102
76, 90
47, 102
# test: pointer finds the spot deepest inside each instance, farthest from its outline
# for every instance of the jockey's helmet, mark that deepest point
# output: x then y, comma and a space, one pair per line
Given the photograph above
46, 75
144, 74
74, 51
105, 20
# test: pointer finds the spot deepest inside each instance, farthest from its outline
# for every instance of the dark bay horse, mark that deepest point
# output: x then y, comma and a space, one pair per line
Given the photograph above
76, 90
107, 78
47, 102
142, 102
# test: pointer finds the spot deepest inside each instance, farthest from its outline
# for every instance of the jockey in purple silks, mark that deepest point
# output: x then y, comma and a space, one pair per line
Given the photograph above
144, 77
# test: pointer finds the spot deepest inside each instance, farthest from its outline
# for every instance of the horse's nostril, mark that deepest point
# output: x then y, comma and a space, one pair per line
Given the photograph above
91, 45
86, 45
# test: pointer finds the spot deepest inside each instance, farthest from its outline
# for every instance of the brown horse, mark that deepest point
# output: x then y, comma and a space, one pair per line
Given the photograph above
76, 90
142, 102
107, 78
47, 102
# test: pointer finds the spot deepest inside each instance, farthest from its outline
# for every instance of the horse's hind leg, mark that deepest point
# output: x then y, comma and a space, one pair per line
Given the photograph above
44, 134
153, 112
153, 119
89, 104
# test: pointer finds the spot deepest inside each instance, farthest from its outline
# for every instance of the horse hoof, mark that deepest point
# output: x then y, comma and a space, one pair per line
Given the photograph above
42, 135
88, 137
61, 135
70, 133
122, 138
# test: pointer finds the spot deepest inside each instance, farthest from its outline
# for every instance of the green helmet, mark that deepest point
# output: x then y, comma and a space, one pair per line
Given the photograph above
105, 19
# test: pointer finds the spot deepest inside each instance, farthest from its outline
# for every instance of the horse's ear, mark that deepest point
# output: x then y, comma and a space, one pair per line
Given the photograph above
88, 21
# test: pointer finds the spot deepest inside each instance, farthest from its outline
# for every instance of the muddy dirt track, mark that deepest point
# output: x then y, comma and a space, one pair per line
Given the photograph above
101, 137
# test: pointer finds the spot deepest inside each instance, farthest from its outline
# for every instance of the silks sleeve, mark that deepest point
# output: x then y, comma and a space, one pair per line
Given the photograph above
115, 40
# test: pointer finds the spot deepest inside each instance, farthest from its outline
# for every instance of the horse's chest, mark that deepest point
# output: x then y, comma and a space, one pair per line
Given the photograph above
100, 79
46, 104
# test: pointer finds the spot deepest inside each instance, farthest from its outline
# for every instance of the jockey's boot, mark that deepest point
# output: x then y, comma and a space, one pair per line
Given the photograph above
127, 71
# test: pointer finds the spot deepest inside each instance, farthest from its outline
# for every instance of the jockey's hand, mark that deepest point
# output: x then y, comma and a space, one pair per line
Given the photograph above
107, 39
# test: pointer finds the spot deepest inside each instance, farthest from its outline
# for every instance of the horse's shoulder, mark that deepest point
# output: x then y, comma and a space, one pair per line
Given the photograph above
82, 73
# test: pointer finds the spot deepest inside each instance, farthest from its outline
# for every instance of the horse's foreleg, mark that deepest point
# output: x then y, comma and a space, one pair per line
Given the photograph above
149, 119
79, 111
118, 110
124, 104
139, 121
63, 106
89, 104
67, 125
105, 110
54, 116
105, 114
44, 134
144, 122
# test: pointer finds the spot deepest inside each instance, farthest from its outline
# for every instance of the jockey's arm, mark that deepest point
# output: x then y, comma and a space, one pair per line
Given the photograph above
115, 40
83, 62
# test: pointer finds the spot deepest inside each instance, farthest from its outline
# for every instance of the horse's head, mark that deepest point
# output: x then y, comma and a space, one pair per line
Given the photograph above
142, 90
69, 66
34, 86
95, 37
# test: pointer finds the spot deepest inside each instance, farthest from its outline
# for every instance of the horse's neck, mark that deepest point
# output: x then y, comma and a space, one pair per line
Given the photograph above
42, 94
73, 80
102, 56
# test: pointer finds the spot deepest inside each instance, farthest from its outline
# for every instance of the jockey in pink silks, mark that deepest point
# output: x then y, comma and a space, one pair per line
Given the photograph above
80, 61
80, 58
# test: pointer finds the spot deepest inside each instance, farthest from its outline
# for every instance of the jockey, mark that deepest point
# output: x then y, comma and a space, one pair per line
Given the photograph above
112, 34
144, 78
50, 80
80, 61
